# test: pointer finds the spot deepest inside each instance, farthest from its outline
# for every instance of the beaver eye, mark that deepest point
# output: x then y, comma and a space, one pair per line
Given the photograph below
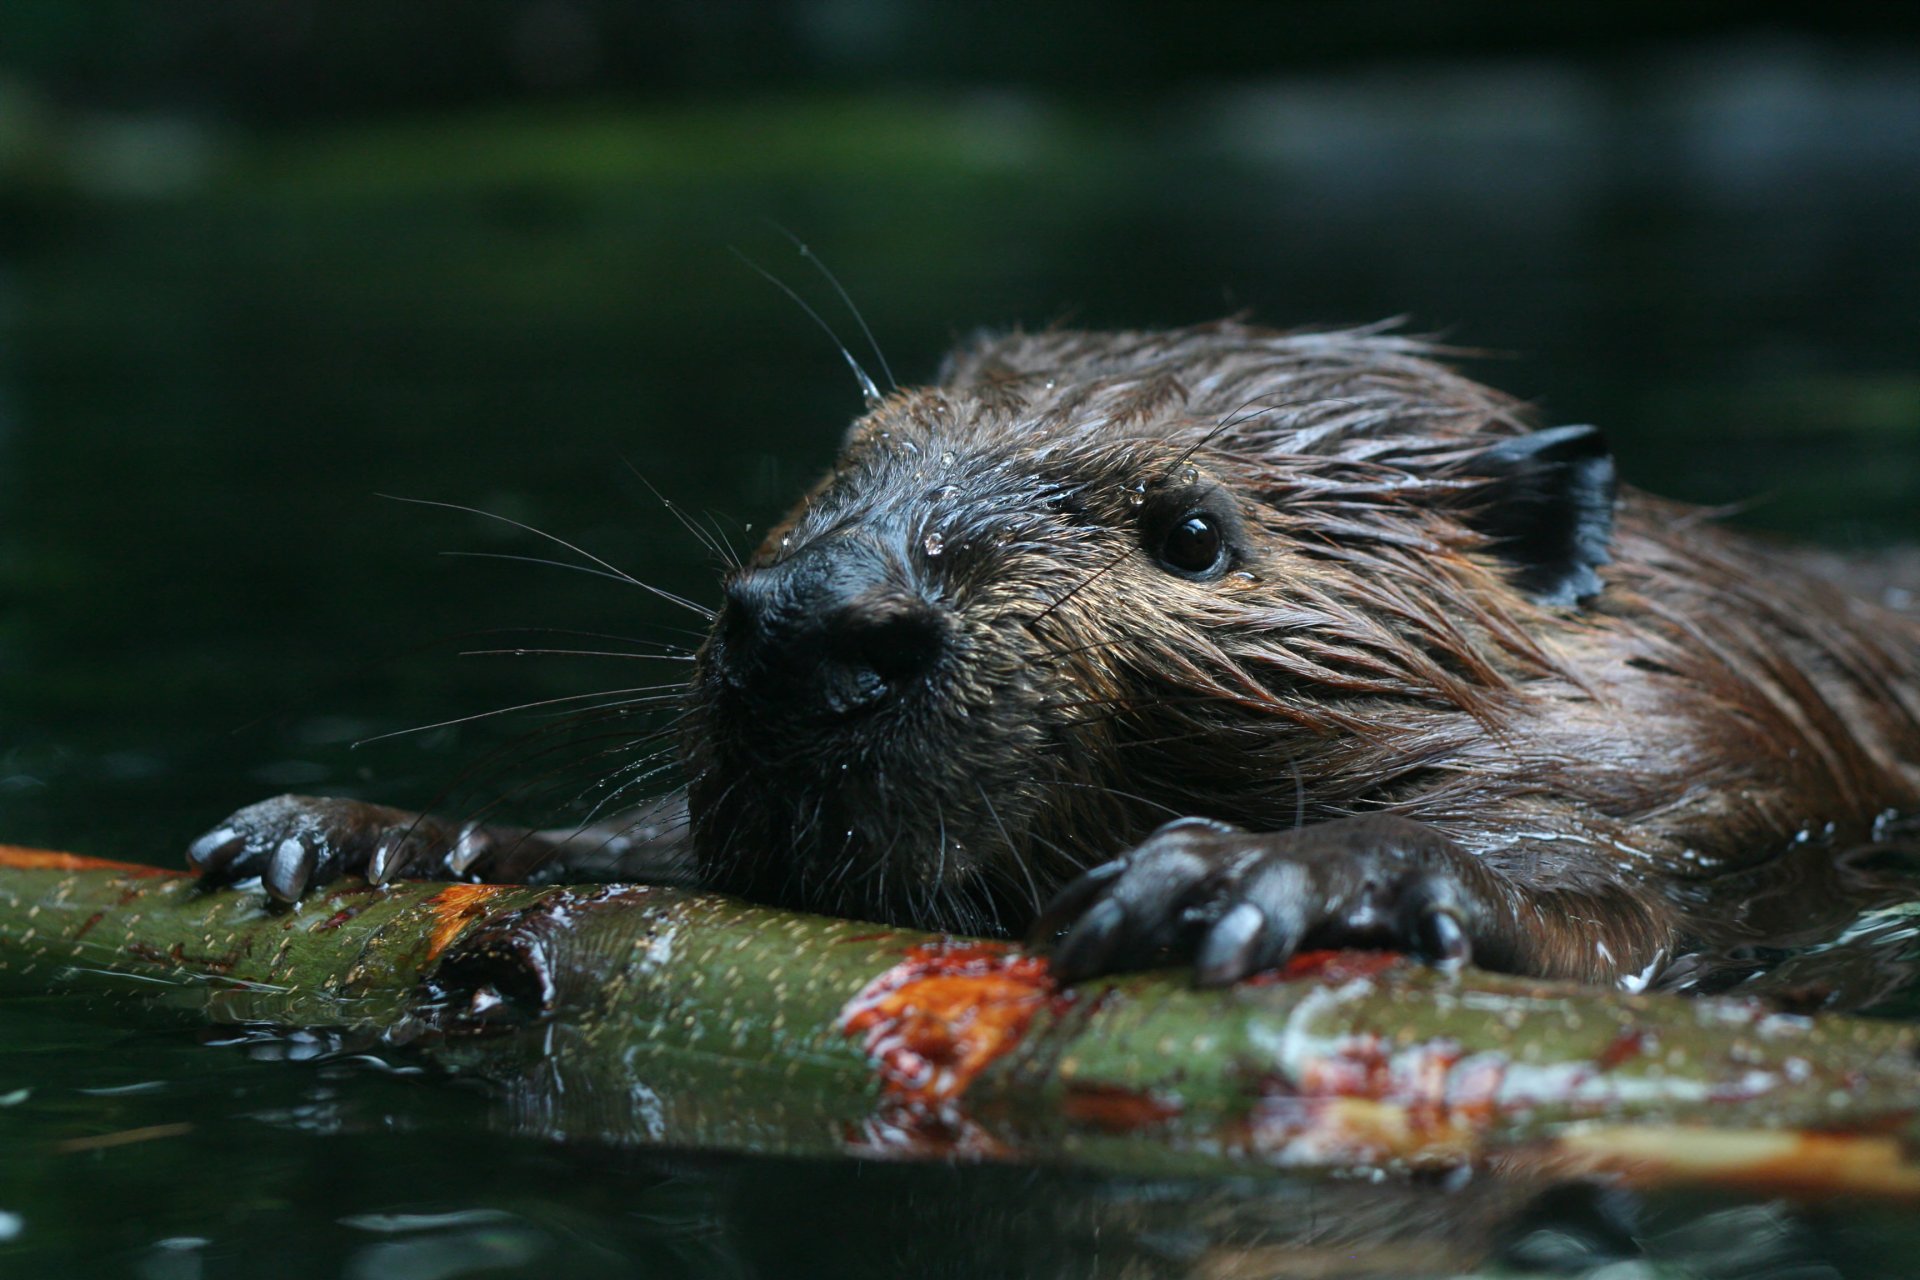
1194, 545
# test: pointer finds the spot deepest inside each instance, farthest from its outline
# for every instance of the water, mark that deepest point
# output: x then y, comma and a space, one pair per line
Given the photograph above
212, 366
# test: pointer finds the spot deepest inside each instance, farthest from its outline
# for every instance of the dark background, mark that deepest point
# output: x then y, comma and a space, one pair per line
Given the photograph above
263, 261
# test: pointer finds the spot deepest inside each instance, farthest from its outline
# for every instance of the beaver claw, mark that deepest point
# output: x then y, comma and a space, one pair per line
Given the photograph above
297, 843
1236, 902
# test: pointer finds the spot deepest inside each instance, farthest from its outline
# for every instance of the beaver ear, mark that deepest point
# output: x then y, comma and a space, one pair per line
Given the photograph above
1548, 509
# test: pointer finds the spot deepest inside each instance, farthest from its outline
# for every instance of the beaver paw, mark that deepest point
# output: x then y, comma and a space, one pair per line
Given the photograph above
297, 843
1237, 902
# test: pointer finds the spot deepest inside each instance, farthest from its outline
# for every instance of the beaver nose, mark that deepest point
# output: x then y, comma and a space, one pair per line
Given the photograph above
834, 624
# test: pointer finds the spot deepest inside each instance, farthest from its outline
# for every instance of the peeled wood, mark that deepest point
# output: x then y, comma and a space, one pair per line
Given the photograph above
650, 1015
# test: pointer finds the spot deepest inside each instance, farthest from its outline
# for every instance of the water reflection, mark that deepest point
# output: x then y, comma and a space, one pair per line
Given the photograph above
1842, 934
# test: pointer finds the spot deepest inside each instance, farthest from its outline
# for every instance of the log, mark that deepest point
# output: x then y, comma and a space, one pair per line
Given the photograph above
644, 1015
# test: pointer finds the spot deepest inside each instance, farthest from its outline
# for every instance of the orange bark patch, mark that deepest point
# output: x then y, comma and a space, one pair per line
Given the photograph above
453, 909
15, 858
935, 1020
122, 1138
1115, 1109
1330, 967
337, 919
1625, 1047
1795, 1163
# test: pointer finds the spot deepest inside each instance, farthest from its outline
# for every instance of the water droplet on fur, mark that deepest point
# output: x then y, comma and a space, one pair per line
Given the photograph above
946, 491
1189, 475
946, 459
786, 540
934, 544
1242, 578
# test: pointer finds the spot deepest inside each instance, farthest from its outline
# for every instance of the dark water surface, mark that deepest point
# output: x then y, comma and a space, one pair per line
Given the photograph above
218, 348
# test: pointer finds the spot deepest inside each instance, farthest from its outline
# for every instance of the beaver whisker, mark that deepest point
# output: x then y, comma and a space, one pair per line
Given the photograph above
641, 776
846, 298
708, 538
542, 561
1054, 847
609, 836
1123, 711
625, 722
518, 652
1236, 418
512, 756
805, 831
1166, 739
982, 916
618, 743
1089, 646
874, 872
611, 792
1013, 850
1147, 701
962, 906
1107, 789
940, 840
620, 574
665, 736
537, 785
932, 892
520, 706
649, 697
1082, 585
554, 729
841, 881
868, 391
579, 633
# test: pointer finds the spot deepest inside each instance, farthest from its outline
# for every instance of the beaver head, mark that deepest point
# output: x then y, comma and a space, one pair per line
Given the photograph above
1093, 581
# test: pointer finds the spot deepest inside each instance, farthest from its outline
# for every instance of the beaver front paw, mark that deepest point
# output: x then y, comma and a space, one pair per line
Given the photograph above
296, 843
1237, 902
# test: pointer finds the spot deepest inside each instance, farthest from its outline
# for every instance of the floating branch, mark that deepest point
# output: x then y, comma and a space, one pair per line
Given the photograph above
648, 1015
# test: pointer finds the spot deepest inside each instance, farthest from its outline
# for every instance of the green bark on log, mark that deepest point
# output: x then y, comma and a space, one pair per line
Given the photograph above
650, 1015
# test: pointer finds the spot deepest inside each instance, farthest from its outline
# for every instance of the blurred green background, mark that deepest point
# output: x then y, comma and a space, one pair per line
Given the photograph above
263, 260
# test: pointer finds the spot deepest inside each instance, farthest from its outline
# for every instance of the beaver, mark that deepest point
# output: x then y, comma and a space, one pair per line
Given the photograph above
1208, 645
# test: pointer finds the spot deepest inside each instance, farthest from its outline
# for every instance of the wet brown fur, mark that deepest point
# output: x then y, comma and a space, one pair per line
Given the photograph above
1633, 767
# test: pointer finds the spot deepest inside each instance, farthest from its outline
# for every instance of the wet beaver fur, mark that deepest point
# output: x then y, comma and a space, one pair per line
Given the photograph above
1214, 643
